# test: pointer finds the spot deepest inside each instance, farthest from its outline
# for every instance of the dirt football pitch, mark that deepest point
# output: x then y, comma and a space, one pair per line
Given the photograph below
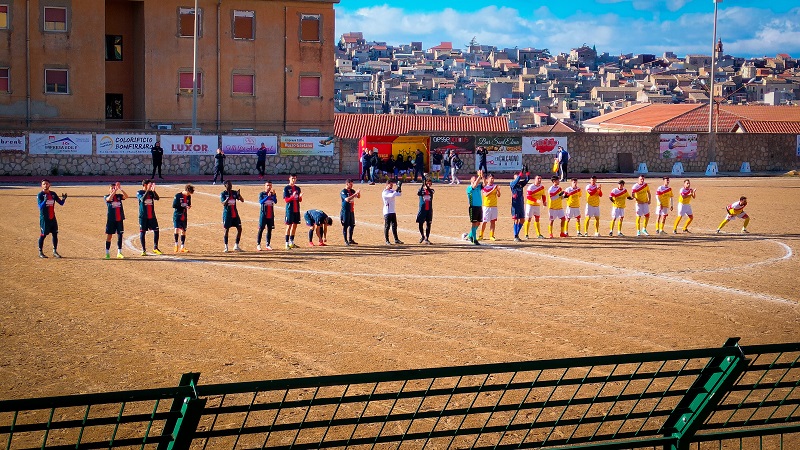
86, 324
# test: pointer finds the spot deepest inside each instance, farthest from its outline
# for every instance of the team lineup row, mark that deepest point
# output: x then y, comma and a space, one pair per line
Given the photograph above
528, 197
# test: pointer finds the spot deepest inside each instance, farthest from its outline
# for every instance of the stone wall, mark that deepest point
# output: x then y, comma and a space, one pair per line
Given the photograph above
591, 153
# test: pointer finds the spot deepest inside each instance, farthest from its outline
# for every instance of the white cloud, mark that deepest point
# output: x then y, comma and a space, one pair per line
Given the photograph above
744, 31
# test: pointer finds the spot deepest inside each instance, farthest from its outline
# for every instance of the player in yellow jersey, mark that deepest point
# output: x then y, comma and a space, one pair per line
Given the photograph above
556, 206
593, 194
641, 193
535, 197
618, 196
736, 210
573, 196
489, 194
685, 197
663, 204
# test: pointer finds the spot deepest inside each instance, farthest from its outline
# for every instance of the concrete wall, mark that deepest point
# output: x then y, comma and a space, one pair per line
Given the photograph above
591, 153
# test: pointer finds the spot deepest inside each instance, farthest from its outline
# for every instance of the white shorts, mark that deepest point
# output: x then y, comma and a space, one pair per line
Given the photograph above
489, 213
556, 214
531, 211
684, 209
663, 211
436, 167
642, 209
573, 213
732, 216
592, 211
617, 213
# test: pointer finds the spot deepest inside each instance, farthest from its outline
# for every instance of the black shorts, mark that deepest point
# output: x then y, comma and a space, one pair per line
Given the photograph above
292, 217
517, 211
148, 224
425, 216
48, 226
475, 214
232, 222
348, 219
114, 227
263, 222
179, 224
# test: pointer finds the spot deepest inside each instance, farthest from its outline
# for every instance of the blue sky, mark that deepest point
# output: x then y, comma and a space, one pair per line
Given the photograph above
747, 27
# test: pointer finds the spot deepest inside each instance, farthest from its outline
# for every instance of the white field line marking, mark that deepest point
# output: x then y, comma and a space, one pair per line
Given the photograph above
627, 273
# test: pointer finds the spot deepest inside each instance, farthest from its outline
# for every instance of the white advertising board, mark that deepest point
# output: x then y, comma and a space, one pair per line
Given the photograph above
542, 145
12, 143
60, 144
125, 144
249, 145
189, 144
306, 146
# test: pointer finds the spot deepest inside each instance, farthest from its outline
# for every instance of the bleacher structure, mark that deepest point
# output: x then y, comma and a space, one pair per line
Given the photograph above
730, 397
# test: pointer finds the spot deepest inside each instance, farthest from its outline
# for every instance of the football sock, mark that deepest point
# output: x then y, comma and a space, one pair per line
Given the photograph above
677, 221
225, 238
119, 241
183, 239
176, 238
638, 223
746, 221
259, 235
55, 241
527, 226
41, 242
688, 221
586, 225
537, 226
311, 235
427, 230
596, 224
108, 246
724, 222
578, 225
141, 239
421, 232
612, 225
287, 238
646, 221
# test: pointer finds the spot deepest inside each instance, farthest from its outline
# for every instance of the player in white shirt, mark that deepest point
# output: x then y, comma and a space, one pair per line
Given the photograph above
389, 213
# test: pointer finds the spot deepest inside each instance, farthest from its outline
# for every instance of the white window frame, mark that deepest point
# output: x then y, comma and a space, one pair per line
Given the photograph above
243, 94
188, 91
7, 77
45, 22
318, 19
56, 92
190, 11
8, 16
244, 13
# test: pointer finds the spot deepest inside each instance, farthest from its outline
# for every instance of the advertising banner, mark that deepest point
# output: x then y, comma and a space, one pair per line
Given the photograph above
459, 144
504, 152
542, 145
249, 145
189, 145
306, 146
125, 144
678, 146
60, 144
12, 143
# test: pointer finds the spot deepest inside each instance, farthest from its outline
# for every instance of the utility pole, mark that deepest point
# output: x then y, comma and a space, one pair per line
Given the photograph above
711, 150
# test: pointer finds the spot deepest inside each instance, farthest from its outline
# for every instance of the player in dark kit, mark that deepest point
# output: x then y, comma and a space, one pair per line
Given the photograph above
147, 214
348, 213
47, 216
230, 214
292, 196
115, 217
182, 204
318, 223
425, 214
518, 200
267, 199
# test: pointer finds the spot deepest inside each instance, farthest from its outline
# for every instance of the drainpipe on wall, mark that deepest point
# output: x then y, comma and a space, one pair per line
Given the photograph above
28, 63
219, 82
285, 67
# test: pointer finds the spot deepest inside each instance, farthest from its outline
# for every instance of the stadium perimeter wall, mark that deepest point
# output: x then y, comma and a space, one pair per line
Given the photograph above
591, 153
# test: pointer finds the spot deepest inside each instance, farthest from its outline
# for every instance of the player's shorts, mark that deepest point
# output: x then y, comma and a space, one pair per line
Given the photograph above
179, 224
231, 222
292, 217
592, 211
573, 213
617, 213
48, 226
148, 224
114, 227
436, 167
489, 213
475, 214
517, 211
264, 222
556, 214
732, 215
684, 209
642, 209
425, 216
663, 210
531, 211
348, 218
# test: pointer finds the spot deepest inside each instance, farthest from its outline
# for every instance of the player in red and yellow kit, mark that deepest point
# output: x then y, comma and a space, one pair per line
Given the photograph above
685, 197
572, 194
489, 194
736, 210
535, 197
641, 193
556, 206
593, 194
618, 196
664, 204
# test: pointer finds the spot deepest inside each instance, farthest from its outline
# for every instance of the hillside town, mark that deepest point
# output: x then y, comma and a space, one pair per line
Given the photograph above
536, 89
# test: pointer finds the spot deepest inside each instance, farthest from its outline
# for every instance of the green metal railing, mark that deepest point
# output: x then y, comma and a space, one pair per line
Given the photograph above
705, 398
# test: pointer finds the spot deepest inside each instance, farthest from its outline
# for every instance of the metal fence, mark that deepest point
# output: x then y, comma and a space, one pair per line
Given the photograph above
729, 397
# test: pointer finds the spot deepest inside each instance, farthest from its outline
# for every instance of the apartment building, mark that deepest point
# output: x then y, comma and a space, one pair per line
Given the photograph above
265, 65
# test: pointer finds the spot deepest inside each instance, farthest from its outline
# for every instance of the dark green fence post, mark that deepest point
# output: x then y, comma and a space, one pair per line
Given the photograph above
706, 392
189, 409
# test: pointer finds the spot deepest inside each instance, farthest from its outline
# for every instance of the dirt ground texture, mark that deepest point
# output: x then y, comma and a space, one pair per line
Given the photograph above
86, 324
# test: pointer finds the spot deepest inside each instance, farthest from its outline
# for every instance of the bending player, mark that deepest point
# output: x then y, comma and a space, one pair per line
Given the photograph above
685, 197
736, 210
47, 216
318, 223
182, 203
